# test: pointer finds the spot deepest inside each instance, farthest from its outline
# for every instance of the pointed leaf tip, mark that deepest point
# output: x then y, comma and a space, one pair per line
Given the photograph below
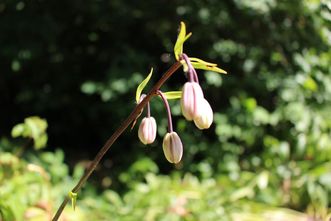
198, 60
73, 197
188, 36
200, 64
182, 37
170, 95
142, 85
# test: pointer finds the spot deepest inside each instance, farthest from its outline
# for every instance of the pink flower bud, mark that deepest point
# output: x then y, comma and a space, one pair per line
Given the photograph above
205, 115
191, 98
172, 147
147, 130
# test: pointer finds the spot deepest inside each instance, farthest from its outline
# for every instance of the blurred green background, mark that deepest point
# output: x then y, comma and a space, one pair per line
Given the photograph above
68, 73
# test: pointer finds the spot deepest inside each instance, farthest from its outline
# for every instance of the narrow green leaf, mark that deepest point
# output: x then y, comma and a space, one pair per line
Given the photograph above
173, 95
178, 49
142, 85
73, 197
208, 68
187, 36
182, 37
198, 60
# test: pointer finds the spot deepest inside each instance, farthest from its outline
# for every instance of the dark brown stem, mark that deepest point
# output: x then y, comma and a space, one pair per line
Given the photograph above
116, 134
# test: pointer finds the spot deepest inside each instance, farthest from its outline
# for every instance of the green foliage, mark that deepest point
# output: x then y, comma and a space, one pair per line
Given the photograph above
29, 191
33, 128
31, 187
203, 65
73, 197
170, 95
142, 85
22, 185
182, 37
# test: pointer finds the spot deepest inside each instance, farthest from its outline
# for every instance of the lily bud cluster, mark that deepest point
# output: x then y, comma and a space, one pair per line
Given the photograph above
193, 104
194, 107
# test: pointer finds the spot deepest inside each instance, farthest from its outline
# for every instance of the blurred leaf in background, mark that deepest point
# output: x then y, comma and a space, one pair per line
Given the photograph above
33, 128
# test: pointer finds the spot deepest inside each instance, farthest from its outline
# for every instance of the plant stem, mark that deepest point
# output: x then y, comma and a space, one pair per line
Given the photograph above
148, 114
166, 104
116, 134
148, 110
193, 76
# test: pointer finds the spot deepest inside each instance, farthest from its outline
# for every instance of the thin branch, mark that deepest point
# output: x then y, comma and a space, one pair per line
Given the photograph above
116, 134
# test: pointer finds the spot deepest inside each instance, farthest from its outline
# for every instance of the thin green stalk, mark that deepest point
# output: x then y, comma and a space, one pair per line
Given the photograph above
116, 134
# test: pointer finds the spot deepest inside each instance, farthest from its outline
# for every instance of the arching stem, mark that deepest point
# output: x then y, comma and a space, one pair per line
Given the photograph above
193, 76
166, 104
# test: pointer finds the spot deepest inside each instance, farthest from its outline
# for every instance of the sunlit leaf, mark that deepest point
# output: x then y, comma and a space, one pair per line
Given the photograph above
73, 197
33, 127
197, 60
17, 130
310, 84
262, 180
173, 95
6, 213
182, 37
142, 85
242, 193
180, 40
202, 66
188, 36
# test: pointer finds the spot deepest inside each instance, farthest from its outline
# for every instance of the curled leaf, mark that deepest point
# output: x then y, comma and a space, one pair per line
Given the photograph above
170, 95
182, 37
142, 85
73, 197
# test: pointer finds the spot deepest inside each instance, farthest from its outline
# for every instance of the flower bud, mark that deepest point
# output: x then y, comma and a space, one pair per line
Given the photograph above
205, 116
172, 147
191, 97
147, 130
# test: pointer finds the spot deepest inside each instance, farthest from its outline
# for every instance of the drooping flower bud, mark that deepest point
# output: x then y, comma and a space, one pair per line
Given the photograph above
205, 115
147, 130
191, 98
172, 147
